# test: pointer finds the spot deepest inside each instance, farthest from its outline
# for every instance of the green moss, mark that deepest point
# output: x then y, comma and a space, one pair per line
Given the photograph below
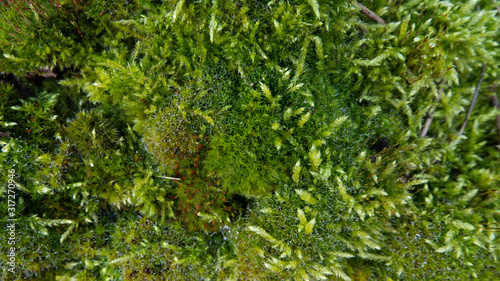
251, 140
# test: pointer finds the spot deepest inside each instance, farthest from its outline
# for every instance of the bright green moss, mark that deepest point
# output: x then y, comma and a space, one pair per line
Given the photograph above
252, 140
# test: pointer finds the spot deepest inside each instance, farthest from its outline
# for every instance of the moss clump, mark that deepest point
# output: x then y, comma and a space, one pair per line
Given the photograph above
286, 140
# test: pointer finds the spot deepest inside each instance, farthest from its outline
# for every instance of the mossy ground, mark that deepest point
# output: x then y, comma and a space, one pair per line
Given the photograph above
249, 140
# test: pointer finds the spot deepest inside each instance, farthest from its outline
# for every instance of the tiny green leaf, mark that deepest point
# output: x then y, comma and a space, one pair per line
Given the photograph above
296, 172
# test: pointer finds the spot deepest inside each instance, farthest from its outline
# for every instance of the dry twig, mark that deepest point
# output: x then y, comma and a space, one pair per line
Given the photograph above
430, 116
498, 8
371, 14
474, 98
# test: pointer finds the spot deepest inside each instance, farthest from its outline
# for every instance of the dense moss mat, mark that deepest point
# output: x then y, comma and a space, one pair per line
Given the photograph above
249, 140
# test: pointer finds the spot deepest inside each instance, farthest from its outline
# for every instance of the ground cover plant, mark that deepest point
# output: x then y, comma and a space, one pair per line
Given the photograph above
249, 140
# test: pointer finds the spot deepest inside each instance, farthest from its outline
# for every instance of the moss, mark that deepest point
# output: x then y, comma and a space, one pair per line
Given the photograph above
249, 140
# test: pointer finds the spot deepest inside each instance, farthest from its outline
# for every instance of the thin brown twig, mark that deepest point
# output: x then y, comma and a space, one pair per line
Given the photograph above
430, 114
474, 98
371, 14
498, 8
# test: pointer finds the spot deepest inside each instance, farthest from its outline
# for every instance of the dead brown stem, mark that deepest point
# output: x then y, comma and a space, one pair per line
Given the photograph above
498, 8
474, 98
371, 14
428, 119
